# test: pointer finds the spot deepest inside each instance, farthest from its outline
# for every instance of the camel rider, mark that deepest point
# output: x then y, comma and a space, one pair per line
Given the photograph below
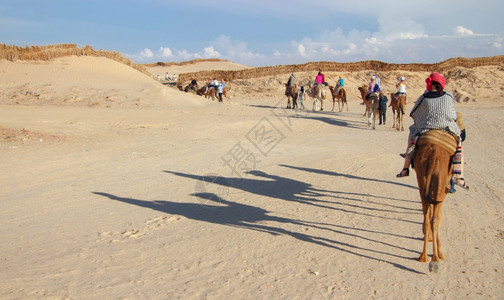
401, 87
319, 79
194, 84
214, 83
290, 82
377, 80
372, 88
323, 77
339, 84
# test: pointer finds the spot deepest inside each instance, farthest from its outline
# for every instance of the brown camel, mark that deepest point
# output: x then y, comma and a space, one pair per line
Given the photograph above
191, 88
291, 93
212, 92
398, 104
372, 105
432, 160
340, 96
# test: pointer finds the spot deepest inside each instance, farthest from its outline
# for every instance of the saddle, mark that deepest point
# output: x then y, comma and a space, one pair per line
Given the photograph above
439, 137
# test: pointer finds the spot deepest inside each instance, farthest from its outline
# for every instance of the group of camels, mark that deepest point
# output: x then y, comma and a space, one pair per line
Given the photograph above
208, 92
432, 161
318, 94
397, 103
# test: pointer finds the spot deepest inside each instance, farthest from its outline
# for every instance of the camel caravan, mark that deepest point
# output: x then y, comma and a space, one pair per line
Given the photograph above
212, 89
317, 91
372, 97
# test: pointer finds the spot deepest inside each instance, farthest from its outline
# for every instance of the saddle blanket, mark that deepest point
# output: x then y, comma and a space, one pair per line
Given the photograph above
439, 137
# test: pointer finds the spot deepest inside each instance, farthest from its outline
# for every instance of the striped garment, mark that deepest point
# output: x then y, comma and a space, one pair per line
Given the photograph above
432, 111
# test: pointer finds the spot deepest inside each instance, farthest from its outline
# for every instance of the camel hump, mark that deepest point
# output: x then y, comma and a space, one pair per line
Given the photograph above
439, 137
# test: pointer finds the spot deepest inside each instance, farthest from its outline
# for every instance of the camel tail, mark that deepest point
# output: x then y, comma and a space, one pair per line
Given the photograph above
344, 96
432, 182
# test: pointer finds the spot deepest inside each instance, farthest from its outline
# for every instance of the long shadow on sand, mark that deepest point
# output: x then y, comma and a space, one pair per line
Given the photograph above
336, 174
239, 215
291, 190
328, 117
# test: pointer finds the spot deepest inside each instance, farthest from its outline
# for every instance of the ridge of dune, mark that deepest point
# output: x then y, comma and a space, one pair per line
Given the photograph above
49, 52
83, 80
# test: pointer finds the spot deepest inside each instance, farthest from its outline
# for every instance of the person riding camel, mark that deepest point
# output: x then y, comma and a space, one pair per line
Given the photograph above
377, 80
373, 87
290, 82
319, 79
194, 84
401, 87
214, 83
323, 77
433, 110
339, 84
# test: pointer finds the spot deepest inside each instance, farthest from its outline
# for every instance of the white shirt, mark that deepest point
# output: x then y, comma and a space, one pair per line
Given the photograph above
402, 88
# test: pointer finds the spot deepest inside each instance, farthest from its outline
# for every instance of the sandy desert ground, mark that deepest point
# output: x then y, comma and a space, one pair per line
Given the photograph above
116, 186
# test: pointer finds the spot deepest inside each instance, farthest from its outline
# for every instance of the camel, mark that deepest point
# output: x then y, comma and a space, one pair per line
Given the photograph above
318, 93
291, 93
398, 105
372, 105
432, 161
212, 92
191, 87
341, 96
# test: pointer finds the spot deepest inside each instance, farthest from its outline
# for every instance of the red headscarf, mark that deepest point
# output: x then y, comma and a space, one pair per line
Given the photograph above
437, 78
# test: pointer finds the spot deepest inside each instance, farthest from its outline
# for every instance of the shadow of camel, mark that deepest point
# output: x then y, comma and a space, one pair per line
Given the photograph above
293, 190
331, 173
250, 217
323, 116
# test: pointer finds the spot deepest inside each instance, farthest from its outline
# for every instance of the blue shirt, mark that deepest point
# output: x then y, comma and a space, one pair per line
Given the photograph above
341, 82
222, 85
376, 88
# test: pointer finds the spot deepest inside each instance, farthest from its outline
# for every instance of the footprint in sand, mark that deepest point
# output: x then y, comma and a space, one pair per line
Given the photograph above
147, 227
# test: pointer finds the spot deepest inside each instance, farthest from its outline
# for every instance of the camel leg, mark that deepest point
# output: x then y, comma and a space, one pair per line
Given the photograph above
436, 220
333, 103
374, 120
426, 229
438, 238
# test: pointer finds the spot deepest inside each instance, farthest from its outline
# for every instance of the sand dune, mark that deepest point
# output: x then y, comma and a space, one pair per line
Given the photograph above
115, 185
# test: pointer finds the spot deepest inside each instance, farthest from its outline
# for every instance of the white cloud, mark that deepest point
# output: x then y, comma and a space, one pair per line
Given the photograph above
146, 53
461, 31
209, 52
164, 52
301, 50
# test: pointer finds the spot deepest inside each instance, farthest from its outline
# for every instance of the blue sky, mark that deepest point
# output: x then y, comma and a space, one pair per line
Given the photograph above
263, 32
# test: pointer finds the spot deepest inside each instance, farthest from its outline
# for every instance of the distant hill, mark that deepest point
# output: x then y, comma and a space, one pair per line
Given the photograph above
326, 66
